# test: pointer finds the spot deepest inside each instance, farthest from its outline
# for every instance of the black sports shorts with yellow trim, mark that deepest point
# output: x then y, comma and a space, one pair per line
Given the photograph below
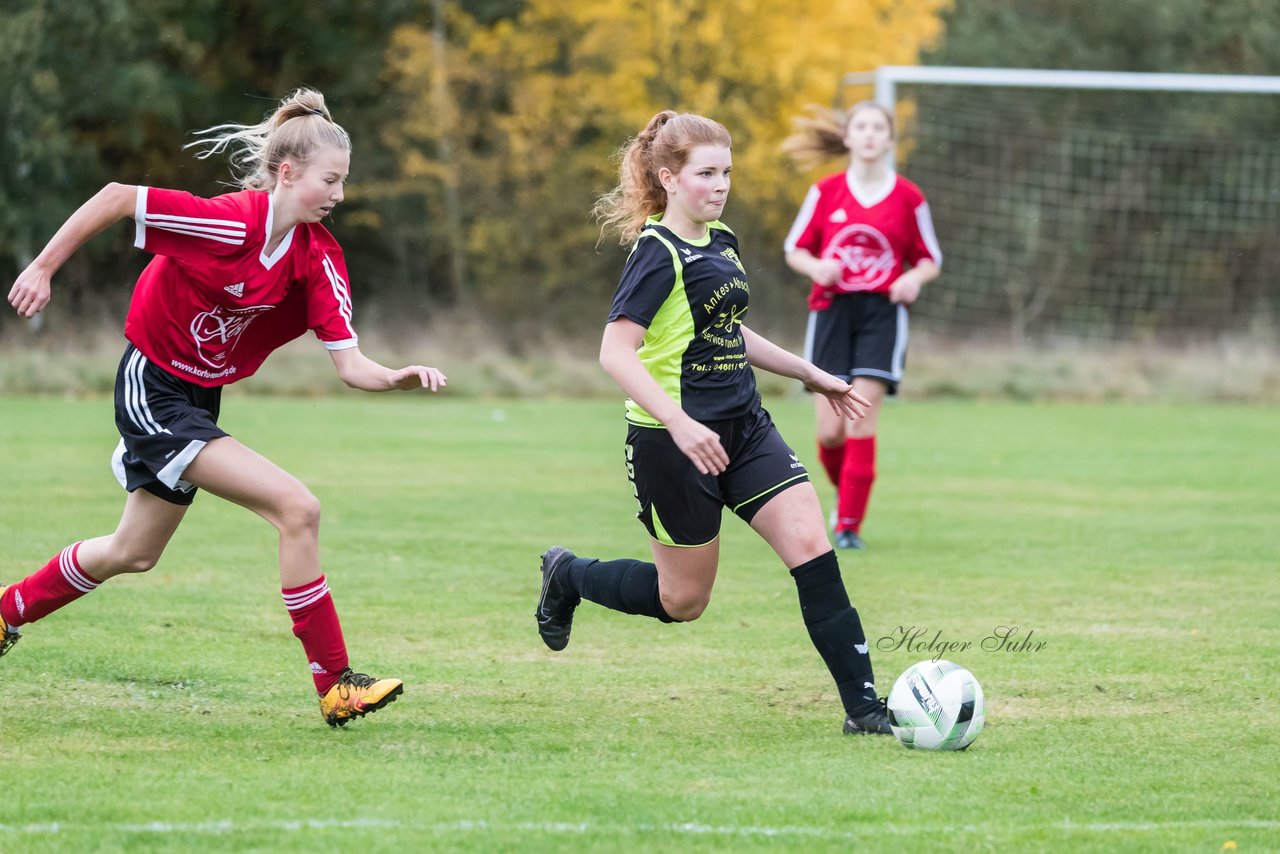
680, 506
164, 421
859, 335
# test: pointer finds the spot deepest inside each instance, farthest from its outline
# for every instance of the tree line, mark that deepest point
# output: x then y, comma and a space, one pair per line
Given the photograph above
484, 130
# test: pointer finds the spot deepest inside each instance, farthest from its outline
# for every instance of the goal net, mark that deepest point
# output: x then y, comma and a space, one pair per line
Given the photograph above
1096, 213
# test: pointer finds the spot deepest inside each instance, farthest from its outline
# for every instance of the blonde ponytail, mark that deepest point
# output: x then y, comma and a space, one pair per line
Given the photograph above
294, 131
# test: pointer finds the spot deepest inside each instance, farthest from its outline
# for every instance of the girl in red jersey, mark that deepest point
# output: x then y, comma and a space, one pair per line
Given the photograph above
865, 239
233, 278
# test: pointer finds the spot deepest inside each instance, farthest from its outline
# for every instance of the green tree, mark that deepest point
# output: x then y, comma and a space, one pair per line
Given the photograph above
64, 127
102, 90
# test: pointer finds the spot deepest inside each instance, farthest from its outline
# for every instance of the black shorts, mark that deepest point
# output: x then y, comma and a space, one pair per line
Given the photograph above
860, 335
164, 422
680, 506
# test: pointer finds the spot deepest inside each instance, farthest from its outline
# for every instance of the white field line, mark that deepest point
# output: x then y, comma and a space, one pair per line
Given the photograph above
226, 827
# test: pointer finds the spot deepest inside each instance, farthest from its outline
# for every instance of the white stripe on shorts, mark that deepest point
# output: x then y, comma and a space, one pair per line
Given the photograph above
900, 344
898, 359
810, 331
135, 395
171, 474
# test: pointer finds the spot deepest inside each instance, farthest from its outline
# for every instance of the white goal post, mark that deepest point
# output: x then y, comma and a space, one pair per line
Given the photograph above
1089, 212
887, 77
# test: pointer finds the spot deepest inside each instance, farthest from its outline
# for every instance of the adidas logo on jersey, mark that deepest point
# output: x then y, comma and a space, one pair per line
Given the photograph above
839, 216
236, 290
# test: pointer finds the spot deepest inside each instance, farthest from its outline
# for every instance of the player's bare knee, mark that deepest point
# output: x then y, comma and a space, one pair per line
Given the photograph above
301, 512
863, 427
832, 438
685, 609
809, 548
135, 561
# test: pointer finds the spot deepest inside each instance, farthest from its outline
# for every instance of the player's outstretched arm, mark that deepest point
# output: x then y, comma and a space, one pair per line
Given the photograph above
32, 289
359, 371
764, 354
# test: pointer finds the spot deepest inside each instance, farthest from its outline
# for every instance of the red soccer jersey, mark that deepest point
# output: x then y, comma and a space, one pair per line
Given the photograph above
212, 305
874, 238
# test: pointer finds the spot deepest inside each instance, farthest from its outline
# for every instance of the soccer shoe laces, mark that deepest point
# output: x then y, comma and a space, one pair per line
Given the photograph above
355, 680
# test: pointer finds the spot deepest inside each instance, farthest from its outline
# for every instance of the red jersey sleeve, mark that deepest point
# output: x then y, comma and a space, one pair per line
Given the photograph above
806, 231
924, 244
186, 227
329, 300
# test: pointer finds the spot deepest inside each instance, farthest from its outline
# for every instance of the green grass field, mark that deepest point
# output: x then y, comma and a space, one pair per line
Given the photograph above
173, 711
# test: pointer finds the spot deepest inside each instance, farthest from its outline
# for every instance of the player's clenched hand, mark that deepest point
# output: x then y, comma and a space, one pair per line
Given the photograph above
905, 290
30, 292
843, 399
418, 376
700, 444
828, 271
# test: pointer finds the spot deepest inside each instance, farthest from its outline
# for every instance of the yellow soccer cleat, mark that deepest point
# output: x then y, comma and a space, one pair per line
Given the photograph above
355, 695
8, 636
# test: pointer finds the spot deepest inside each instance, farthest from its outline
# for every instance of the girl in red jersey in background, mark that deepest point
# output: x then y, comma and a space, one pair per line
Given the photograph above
233, 278
865, 239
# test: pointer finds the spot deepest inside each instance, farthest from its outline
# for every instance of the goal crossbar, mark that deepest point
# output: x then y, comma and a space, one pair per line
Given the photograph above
887, 77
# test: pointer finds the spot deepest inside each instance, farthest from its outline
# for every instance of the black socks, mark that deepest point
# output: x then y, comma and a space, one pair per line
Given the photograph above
836, 631
629, 586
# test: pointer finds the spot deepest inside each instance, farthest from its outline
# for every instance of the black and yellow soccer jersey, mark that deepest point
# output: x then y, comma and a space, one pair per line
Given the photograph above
691, 297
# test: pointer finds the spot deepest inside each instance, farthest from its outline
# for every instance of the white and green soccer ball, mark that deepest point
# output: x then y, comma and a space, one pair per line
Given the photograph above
936, 705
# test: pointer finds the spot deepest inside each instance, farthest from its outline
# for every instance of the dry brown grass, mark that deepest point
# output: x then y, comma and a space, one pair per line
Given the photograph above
482, 361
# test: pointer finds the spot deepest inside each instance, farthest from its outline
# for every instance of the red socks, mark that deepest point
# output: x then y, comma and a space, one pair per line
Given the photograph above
832, 460
62, 581
315, 623
856, 478
59, 582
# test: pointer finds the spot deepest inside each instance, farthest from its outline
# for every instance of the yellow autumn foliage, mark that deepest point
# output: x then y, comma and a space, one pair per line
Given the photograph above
535, 106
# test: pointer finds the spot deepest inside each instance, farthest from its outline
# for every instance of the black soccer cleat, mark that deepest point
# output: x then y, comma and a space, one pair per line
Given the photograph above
849, 540
871, 721
557, 602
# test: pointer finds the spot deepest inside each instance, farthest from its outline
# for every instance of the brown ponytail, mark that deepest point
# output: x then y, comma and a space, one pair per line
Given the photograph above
665, 142
819, 137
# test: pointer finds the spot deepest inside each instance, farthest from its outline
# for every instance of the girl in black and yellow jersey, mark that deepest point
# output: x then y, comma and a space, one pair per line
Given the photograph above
698, 438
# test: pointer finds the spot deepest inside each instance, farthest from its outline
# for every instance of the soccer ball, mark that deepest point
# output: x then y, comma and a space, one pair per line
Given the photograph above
936, 705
